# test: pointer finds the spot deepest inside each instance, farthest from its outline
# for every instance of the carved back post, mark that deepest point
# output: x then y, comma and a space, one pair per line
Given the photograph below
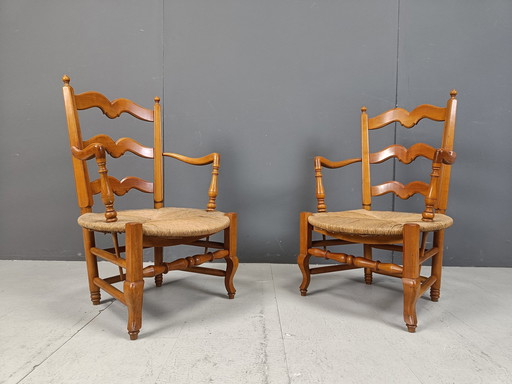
441, 171
83, 150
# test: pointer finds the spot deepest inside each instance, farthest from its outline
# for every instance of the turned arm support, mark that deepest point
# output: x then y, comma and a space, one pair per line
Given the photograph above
212, 158
323, 162
442, 156
98, 151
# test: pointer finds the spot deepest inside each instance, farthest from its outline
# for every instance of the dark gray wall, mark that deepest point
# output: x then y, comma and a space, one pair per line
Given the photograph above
268, 84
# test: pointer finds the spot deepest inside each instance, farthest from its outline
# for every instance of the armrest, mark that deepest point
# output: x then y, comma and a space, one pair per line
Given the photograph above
97, 151
205, 160
442, 156
323, 162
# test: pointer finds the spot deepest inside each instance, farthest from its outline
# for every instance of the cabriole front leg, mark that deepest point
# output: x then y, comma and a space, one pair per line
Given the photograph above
304, 256
411, 274
230, 235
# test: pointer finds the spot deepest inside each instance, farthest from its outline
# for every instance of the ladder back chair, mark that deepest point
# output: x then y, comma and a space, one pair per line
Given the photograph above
156, 227
402, 232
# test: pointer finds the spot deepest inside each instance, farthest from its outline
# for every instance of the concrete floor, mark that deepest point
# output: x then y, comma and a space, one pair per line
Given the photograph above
342, 332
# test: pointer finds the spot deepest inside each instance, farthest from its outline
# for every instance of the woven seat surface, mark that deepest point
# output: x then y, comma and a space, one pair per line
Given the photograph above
379, 223
164, 222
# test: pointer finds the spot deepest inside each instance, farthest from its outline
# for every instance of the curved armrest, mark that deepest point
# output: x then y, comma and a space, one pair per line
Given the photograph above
205, 160
442, 156
98, 151
323, 162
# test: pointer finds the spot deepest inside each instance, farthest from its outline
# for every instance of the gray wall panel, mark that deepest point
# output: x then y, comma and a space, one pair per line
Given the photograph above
467, 45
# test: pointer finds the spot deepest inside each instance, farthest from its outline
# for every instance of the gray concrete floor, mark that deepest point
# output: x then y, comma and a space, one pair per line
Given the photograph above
342, 332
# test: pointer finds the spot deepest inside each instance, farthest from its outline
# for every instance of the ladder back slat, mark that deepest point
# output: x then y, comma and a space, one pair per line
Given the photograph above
406, 118
114, 108
121, 146
402, 191
121, 187
403, 154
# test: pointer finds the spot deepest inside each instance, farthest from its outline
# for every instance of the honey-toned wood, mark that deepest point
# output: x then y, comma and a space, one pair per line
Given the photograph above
403, 154
410, 242
97, 151
230, 236
114, 108
400, 190
129, 257
323, 162
120, 188
120, 147
212, 158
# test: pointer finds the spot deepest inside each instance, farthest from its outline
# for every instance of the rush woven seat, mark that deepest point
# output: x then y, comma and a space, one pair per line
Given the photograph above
154, 227
377, 223
418, 236
170, 223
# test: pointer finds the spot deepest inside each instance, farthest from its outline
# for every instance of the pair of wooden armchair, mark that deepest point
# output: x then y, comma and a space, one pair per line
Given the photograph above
167, 226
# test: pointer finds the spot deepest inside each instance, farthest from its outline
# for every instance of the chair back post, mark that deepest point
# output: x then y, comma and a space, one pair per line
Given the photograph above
158, 177
80, 170
448, 138
365, 163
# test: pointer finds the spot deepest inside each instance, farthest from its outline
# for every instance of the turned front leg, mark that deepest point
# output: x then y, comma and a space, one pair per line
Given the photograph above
134, 283
92, 265
437, 265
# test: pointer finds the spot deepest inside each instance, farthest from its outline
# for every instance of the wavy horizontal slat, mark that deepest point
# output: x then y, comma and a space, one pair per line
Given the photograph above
113, 108
123, 186
119, 147
403, 154
404, 192
406, 118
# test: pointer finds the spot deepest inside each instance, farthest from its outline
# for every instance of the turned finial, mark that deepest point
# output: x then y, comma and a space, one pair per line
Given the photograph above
453, 93
157, 100
363, 108
66, 79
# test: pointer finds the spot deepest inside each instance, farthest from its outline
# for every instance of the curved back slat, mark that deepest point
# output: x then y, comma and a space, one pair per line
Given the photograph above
114, 108
121, 187
400, 190
403, 154
120, 147
407, 119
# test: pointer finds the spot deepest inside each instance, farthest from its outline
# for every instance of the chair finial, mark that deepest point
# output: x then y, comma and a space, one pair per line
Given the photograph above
157, 100
363, 108
66, 79
453, 93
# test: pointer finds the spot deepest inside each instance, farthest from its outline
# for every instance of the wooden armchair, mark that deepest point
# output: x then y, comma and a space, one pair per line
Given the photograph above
144, 228
395, 231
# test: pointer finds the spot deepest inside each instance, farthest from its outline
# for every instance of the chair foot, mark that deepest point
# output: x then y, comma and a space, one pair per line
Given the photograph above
411, 328
159, 280
303, 292
231, 295
368, 278
435, 294
95, 297
134, 335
